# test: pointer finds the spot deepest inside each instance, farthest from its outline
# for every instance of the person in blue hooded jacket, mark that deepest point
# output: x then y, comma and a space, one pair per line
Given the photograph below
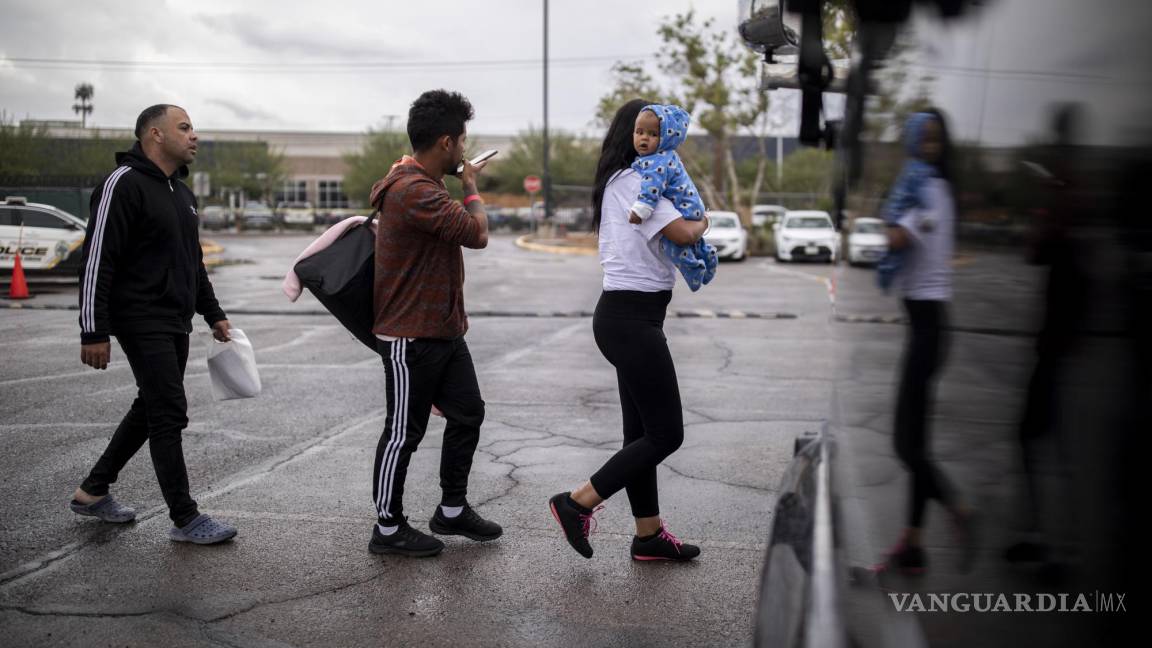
925, 161
921, 215
659, 130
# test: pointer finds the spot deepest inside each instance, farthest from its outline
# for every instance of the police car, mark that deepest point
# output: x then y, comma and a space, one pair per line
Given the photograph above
48, 239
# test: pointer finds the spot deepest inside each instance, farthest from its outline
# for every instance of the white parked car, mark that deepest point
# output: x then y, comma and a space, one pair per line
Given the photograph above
867, 241
48, 239
806, 235
298, 215
727, 235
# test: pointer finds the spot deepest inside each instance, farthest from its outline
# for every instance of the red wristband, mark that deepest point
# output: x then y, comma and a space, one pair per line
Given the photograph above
468, 199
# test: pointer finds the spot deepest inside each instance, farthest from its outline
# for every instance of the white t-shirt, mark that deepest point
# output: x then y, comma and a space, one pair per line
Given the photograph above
927, 271
630, 254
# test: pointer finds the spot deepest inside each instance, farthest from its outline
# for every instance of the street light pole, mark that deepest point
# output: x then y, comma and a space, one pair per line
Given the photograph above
547, 173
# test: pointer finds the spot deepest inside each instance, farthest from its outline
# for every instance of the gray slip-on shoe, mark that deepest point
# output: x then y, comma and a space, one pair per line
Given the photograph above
203, 530
106, 508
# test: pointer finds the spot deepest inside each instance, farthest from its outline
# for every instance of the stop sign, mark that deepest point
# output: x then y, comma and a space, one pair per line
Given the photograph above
532, 184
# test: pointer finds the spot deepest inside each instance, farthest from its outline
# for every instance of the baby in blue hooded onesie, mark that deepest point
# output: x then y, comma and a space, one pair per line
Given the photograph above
659, 130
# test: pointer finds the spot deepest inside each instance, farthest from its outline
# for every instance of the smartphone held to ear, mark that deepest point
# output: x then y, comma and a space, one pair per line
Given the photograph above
486, 155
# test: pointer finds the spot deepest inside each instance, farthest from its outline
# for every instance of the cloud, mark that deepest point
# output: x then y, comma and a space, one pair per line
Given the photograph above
257, 32
228, 63
245, 113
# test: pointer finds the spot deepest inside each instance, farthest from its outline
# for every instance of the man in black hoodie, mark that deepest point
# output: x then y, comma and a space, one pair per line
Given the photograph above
142, 279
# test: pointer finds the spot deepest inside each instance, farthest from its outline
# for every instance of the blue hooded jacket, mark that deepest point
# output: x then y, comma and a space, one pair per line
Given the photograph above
662, 175
905, 194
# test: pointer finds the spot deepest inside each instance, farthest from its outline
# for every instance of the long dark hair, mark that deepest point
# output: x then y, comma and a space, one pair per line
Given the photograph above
944, 165
616, 153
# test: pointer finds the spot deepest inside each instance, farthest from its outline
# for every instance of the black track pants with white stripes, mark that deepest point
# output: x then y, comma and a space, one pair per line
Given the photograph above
420, 373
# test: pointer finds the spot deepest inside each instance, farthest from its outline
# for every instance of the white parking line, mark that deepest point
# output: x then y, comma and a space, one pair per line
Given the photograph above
72, 374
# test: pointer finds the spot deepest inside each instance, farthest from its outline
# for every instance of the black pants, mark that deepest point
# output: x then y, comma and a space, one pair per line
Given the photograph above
419, 374
923, 356
629, 329
158, 415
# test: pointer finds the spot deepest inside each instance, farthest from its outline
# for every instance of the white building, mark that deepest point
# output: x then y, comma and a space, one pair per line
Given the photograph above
314, 160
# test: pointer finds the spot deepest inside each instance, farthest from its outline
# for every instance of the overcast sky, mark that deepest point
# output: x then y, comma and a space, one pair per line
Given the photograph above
295, 66
258, 65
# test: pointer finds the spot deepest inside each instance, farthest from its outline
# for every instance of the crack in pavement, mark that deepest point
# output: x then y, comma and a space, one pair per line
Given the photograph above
78, 613
728, 354
678, 472
707, 418
502, 459
200, 625
545, 433
328, 590
203, 624
588, 399
787, 419
510, 475
244, 477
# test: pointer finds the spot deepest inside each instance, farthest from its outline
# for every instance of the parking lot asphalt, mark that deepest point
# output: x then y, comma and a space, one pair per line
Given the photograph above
765, 353
291, 469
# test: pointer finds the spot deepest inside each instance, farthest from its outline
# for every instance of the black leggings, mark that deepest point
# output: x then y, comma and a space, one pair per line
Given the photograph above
923, 357
629, 329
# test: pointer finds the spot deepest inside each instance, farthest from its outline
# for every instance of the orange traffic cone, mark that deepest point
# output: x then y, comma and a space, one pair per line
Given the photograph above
18, 289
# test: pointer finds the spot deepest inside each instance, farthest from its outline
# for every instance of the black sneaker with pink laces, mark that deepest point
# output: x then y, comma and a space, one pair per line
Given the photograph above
577, 522
662, 546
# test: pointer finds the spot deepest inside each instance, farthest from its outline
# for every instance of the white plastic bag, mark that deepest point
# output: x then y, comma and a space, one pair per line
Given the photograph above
232, 367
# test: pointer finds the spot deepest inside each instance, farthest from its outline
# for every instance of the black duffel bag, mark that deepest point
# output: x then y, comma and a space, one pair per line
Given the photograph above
341, 277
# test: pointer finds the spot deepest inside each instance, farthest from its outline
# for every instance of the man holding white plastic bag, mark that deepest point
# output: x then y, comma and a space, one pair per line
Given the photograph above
142, 278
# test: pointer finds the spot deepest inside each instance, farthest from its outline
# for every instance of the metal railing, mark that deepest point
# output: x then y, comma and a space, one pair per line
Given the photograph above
801, 590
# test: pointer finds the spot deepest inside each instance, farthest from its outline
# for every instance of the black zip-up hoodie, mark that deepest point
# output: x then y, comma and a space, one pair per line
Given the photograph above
142, 270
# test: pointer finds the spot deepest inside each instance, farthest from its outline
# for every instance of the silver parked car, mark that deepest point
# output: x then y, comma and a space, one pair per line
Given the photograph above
257, 215
215, 217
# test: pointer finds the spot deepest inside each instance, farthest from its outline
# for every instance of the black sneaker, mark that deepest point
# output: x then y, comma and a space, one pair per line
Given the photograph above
406, 541
577, 523
663, 546
468, 524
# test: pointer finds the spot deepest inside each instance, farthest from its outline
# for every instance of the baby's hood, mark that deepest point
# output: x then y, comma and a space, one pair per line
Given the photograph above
674, 122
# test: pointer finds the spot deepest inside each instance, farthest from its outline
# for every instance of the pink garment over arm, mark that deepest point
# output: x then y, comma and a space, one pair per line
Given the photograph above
291, 285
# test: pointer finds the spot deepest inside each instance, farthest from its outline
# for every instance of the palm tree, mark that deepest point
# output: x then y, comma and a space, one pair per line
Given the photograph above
84, 93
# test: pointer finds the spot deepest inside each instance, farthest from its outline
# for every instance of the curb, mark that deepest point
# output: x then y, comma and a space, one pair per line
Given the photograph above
692, 314
523, 242
211, 247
